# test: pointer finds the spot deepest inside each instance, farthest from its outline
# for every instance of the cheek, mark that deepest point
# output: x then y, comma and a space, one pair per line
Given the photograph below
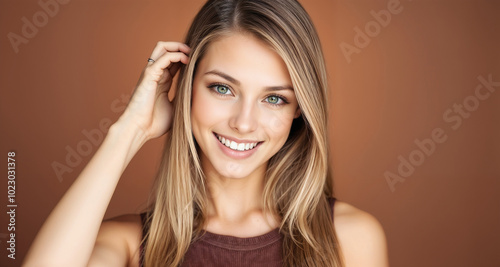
278, 123
204, 112
197, 109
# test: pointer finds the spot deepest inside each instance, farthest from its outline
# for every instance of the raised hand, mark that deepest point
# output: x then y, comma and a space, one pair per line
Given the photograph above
149, 107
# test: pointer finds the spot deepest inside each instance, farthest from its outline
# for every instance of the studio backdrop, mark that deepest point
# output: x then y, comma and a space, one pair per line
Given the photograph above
414, 113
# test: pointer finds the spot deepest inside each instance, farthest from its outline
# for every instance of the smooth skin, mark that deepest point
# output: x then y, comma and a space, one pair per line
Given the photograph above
241, 90
73, 235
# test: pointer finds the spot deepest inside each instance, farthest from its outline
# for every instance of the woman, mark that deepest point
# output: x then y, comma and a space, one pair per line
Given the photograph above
244, 180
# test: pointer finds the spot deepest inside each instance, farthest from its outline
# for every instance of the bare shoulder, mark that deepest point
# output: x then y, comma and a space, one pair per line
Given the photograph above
361, 236
118, 242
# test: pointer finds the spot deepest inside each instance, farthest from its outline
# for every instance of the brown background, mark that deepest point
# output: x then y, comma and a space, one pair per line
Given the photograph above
72, 74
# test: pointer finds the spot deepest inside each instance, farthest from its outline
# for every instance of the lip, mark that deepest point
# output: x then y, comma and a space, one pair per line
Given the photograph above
233, 153
236, 139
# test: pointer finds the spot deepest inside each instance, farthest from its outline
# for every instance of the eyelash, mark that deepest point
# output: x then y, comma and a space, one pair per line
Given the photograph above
214, 85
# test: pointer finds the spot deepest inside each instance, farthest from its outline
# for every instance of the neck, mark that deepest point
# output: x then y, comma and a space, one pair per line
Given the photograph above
234, 199
235, 206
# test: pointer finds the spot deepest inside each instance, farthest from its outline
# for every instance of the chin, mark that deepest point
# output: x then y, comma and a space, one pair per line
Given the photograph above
233, 170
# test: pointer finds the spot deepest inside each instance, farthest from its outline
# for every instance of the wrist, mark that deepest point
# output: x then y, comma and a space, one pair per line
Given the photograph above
126, 130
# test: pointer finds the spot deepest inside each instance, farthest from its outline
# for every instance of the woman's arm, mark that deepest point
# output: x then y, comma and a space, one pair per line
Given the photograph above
68, 236
118, 242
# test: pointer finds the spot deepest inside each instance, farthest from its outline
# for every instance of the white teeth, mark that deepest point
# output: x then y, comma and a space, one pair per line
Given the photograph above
235, 146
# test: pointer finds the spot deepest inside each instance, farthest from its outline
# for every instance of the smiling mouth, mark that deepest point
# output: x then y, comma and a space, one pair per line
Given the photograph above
236, 146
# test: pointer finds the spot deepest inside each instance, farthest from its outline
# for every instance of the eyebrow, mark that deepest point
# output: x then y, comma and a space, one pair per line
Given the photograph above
233, 80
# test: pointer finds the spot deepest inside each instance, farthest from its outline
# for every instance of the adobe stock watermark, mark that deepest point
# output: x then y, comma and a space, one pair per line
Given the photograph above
453, 117
92, 139
372, 29
30, 28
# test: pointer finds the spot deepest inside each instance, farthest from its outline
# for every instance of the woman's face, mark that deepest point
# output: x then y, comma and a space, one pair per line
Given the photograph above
243, 106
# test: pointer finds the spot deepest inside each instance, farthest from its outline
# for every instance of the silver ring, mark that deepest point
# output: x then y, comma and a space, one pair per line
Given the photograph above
151, 60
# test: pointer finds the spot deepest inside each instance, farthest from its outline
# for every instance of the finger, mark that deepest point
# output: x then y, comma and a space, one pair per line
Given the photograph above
174, 68
165, 47
164, 63
169, 73
167, 60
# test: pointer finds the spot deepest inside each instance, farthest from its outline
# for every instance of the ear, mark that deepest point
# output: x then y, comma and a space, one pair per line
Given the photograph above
297, 113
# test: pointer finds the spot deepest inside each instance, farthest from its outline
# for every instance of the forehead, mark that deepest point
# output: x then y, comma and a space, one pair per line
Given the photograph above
246, 58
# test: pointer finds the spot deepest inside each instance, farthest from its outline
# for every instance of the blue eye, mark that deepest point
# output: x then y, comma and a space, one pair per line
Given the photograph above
222, 89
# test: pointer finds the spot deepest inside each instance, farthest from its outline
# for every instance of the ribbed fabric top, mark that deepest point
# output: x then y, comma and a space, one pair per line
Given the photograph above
222, 250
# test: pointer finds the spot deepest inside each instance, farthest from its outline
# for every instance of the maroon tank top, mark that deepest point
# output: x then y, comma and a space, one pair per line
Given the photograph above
222, 250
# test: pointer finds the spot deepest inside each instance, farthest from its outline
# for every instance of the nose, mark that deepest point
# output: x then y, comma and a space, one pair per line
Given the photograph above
244, 118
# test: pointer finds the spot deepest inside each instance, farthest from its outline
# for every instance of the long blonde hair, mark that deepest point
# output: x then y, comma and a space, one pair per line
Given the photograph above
298, 178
